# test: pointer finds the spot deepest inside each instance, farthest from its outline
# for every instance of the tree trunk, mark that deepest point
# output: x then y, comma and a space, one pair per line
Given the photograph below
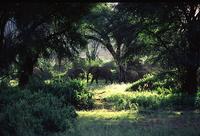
26, 71
122, 73
24, 78
189, 83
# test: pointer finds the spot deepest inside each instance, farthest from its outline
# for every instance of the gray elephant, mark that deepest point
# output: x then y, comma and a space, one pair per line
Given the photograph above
99, 73
75, 73
37, 72
131, 76
40, 73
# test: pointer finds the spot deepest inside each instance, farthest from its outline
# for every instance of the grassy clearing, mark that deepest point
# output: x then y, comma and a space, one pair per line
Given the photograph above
116, 97
106, 121
104, 115
102, 92
132, 123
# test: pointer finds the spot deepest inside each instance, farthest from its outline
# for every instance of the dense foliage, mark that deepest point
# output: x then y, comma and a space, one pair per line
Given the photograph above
159, 98
73, 92
155, 80
42, 75
117, 32
174, 28
25, 113
45, 28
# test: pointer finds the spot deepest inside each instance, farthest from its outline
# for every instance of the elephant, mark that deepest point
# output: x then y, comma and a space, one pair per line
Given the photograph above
40, 73
37, 72
131, 76
75, 73
99, 73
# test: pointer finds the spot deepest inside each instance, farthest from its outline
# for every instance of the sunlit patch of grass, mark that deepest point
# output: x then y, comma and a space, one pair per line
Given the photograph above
133, 100
104, 114
101, 90
115, 97
104, 91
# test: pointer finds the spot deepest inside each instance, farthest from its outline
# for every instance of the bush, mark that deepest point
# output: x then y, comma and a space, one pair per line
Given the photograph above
168, 91
35, 83
144, 100
24, 113
154, 100
154, 80
73, 91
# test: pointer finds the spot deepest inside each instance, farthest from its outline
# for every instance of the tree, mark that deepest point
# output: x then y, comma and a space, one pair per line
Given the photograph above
41, 28
116, 31
6, 52
175, 27
92, 50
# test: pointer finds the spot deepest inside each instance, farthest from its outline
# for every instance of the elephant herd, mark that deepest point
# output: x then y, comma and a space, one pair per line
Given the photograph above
96, 73
104, 73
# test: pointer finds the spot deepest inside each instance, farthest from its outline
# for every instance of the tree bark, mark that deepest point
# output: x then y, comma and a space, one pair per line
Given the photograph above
189, 83
122, 72
26, 71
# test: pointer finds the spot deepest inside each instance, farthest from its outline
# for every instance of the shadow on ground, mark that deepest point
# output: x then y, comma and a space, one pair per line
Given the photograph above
132, 123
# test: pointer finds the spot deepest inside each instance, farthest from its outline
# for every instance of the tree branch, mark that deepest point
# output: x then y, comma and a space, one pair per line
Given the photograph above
94, 38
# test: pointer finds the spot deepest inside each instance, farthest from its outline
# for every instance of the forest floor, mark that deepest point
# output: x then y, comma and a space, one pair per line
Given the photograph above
103, 120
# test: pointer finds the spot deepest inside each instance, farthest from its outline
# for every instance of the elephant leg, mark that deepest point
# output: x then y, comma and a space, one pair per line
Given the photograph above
111, 81
92, 80
96, 80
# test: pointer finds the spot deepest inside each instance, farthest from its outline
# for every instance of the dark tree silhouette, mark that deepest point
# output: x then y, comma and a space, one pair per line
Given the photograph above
176, 29
40, 29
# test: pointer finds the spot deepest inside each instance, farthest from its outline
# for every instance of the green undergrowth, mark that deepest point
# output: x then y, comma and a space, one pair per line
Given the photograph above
136, 123
118, 112
152, 101
116, 97
152, 81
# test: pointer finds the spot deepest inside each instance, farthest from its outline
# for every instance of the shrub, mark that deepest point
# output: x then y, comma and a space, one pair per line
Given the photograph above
154, 80
146, 100
121, 102
35, 83
24, 113
153, 101
73, 91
